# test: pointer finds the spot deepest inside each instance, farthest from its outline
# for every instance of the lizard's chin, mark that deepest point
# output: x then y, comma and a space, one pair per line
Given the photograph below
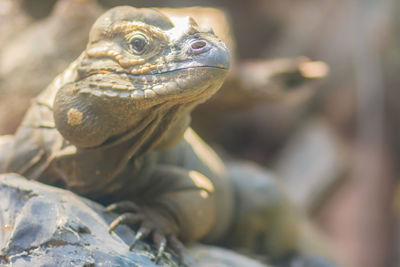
181, 85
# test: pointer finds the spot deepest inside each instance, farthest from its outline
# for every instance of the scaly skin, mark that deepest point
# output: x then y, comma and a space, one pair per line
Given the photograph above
114, 126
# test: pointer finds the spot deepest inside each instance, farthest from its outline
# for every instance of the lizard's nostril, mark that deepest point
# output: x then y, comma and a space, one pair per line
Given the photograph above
198, 46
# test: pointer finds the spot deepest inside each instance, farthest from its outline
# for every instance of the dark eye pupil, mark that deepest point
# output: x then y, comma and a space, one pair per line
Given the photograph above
138, 45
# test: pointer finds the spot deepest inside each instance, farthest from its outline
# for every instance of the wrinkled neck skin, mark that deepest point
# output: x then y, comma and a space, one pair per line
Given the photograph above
157, 128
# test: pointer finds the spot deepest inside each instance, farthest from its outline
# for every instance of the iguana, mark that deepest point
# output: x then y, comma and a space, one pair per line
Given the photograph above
114, 127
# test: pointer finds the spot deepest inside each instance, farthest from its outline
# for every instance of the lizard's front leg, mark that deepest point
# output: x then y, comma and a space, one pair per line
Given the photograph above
179, 203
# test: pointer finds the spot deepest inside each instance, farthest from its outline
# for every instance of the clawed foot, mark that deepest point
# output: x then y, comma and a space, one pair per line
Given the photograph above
149, 226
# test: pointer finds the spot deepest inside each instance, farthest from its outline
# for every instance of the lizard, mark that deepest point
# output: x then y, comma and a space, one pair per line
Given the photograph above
115, 127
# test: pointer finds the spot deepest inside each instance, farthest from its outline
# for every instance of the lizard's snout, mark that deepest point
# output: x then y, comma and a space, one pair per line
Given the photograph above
210, 54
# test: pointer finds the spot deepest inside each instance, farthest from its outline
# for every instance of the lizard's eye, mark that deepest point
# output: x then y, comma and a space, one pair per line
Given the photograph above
139, 43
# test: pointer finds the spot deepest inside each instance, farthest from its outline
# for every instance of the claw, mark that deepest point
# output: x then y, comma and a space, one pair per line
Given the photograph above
160, 241
177, 247
123, 206
137, 237
126, 218
142, 232
147, 227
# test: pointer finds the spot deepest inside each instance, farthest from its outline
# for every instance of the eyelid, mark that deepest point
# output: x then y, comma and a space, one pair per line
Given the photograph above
138, 34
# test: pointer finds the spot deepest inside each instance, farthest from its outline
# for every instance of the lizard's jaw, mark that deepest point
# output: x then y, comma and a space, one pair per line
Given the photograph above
180, 85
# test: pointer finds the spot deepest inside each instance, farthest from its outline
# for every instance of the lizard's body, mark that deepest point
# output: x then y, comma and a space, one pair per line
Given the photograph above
100, 131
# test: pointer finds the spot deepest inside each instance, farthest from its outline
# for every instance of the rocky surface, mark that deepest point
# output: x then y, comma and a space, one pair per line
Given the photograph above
47, 226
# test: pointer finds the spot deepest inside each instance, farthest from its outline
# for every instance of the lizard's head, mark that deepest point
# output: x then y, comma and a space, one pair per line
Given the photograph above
148, 58
137, 60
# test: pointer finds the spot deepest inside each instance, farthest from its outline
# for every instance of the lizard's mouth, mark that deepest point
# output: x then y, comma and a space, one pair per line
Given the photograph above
152, 87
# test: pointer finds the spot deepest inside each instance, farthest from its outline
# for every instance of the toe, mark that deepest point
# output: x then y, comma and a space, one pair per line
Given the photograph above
126, 218
160, 242
140, 234
123, 207
176, 246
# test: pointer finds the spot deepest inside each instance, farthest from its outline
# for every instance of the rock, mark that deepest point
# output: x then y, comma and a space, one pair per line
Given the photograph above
46, 226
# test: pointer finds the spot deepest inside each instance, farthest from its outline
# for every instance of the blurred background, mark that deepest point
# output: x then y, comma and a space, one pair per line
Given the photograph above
312, 96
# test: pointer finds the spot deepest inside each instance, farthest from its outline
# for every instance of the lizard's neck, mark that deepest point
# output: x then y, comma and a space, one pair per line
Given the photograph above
160, 128
173, 129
